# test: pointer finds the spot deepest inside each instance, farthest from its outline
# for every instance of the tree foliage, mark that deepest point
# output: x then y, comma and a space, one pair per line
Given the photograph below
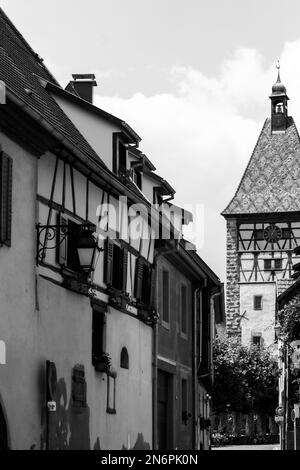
245, 378
289, 319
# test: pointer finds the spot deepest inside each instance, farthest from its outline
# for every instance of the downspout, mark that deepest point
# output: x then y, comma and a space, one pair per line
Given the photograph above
212, 338
195, 377
155, 346
212, 335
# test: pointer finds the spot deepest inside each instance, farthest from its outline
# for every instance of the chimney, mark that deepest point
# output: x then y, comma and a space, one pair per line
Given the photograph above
82, 85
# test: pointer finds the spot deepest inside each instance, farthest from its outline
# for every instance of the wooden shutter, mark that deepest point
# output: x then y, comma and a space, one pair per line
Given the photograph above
62, 241
5, 198
124, 269
139, 270
108, 265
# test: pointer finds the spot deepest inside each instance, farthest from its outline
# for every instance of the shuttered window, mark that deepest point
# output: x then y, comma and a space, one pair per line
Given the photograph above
116, 265
143, 281
5, 199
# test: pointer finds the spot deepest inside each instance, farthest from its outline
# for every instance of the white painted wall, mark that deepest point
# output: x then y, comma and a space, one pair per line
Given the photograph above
97, 131
258, 321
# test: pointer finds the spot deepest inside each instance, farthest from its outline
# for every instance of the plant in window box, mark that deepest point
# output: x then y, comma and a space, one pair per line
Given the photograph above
118, 299
102, 363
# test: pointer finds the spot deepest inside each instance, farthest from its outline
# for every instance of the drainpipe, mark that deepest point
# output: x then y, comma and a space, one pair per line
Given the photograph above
195, 378
212, 335
155, 345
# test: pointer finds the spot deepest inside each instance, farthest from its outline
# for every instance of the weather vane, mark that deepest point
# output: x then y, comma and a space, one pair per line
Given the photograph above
278, 64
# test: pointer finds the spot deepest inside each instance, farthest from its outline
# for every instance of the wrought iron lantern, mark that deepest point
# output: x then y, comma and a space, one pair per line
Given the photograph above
50, 237
87, 247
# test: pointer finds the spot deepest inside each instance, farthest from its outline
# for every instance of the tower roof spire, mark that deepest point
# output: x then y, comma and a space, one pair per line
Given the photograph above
278, 88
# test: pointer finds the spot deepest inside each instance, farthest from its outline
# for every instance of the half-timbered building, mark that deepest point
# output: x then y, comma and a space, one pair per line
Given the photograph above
263, 227
81, 227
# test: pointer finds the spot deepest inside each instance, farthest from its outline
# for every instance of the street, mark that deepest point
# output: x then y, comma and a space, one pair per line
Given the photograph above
249, 447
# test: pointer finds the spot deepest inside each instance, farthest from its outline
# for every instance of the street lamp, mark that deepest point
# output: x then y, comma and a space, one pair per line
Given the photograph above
87, 247
85, 242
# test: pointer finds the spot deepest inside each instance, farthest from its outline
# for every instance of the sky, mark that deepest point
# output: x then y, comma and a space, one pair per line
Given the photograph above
191, 77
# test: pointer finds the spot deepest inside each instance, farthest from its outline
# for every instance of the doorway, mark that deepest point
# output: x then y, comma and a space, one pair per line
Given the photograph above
164, 411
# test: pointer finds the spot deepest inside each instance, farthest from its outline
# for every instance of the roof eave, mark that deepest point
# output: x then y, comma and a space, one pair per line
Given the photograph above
134, 137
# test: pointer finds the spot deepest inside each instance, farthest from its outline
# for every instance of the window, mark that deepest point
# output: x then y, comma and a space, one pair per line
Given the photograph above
5, 198
111, 393
97, 336
268, 264
256, 341
116, 264
79, 387
143, 276
184, 401
124, 363
278, 263
165, 296
183, 310
273, 264
122, 157
257, 302
137, 176
119, 154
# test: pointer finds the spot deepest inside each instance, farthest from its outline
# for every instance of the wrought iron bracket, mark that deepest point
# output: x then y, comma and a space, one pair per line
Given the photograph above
50, 237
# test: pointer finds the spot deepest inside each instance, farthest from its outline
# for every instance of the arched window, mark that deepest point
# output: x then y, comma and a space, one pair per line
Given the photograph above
124, 359
279, 108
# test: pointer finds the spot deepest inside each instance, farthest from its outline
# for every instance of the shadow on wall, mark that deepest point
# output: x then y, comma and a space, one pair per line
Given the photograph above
68, 428
3, 431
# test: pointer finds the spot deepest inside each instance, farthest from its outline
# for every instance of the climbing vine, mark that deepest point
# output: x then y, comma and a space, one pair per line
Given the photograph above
289, 320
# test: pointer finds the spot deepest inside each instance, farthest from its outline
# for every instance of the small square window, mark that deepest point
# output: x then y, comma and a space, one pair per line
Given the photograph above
257, 302
256, 341
268, 264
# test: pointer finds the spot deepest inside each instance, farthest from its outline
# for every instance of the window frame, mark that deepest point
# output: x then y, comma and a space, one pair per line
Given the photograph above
165, 323
255, 308
183, 333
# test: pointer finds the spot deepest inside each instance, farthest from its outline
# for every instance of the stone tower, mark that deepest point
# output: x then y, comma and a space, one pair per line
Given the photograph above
263, 227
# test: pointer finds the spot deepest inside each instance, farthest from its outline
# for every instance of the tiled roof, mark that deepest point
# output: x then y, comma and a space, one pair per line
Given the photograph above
20, 69
270, 183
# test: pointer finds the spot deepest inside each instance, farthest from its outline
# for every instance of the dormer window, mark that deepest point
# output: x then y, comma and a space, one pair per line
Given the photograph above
119, 154
137, 176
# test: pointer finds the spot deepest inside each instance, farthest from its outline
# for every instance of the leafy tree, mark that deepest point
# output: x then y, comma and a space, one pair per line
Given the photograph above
245, 378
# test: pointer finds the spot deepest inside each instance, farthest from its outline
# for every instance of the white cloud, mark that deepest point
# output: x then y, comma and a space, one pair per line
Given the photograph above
201, 137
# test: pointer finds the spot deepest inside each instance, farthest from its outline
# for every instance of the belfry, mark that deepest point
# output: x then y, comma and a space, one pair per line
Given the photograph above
263, 226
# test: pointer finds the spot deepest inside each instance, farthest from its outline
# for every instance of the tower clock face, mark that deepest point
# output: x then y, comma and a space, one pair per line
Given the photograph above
272, 234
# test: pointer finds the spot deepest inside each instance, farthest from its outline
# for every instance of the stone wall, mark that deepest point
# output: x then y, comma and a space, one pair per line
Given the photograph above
232, 286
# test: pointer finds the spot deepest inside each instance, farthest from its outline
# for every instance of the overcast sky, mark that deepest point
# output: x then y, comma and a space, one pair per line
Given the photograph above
191, 77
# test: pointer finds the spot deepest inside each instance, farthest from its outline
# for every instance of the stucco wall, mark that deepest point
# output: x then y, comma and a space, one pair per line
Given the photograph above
19, 318
97, 131
66, 339
258, 321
